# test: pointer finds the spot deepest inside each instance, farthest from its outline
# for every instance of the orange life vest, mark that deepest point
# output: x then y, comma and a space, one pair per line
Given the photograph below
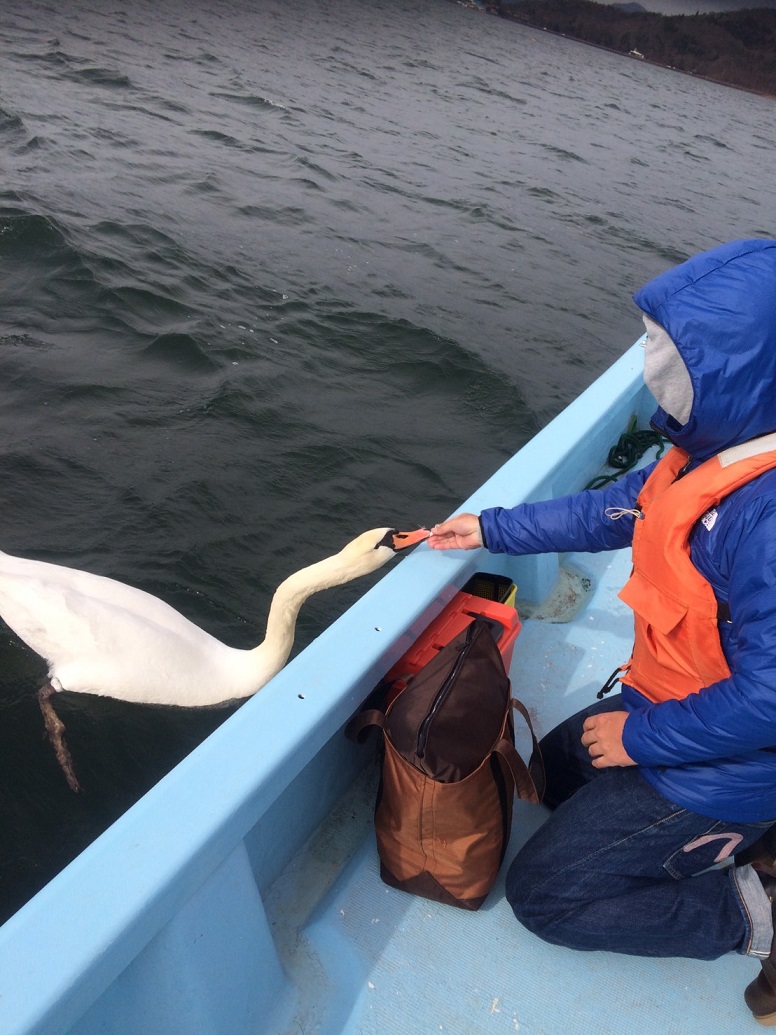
677, 648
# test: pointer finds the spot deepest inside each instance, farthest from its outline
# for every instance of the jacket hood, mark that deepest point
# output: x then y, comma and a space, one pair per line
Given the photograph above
719, 308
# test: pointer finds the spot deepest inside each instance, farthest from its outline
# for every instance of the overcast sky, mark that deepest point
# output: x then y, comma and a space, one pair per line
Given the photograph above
702, 6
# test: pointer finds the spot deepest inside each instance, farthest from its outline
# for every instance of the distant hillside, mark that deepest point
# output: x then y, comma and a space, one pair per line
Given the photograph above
737, 48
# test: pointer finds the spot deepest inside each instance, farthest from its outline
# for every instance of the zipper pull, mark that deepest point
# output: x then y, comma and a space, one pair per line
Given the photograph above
613, 678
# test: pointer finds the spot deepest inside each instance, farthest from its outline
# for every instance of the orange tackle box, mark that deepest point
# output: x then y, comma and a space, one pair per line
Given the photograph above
484, 596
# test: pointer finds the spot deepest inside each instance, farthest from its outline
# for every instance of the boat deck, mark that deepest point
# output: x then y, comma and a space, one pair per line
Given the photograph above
369, 959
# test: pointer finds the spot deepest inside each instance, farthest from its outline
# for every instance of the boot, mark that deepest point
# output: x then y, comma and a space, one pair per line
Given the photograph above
760, 994
761, 853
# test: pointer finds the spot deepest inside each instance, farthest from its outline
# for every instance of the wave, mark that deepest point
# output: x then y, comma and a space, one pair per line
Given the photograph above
25, 236
562, 152
255, 101
10, 122
78, 69
218, 137
97, 76
180, 350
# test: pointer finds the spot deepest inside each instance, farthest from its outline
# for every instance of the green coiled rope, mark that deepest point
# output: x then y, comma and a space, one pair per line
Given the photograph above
626, 453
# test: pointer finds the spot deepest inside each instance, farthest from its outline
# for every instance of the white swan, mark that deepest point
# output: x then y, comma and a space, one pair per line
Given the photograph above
102, 637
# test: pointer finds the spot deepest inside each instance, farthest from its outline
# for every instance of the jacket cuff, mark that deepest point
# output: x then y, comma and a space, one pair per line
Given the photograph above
482, 533
633, 736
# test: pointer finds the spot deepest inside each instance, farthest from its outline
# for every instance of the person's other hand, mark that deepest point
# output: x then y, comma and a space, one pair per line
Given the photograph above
602, 737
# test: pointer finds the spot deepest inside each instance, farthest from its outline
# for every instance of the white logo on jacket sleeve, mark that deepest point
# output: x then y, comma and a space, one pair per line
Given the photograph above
709, 518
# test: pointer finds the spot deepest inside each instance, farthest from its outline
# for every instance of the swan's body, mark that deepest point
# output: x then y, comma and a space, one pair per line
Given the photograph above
103, 637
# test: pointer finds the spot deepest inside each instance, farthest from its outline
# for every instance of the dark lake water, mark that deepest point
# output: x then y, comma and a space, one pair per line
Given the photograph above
274, 272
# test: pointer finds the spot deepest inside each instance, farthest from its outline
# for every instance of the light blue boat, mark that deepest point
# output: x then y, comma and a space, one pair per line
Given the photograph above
242, 895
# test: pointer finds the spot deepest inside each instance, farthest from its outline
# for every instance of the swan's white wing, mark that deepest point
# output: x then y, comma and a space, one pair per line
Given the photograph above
100, 636
55, 582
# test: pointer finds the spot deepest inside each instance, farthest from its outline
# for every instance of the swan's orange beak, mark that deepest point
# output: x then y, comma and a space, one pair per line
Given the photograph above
401, 540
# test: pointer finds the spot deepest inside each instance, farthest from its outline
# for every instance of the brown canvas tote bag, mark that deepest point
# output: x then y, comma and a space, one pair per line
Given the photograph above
449, 773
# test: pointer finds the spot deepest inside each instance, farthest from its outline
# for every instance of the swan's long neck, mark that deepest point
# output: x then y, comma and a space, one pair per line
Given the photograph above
288, 600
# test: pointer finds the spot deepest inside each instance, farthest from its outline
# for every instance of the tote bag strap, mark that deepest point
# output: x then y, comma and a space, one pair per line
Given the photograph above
524, 785
529, 779
360, 725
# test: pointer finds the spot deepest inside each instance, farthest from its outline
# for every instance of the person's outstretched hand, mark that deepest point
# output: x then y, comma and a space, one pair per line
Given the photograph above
461, 532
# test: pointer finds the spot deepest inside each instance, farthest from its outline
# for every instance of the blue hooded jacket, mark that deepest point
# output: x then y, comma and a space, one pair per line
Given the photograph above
713, 752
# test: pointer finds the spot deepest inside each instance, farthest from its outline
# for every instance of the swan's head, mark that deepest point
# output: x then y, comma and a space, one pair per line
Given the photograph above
372, 549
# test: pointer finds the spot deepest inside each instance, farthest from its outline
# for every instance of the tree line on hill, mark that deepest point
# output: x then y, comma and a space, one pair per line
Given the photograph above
737, 48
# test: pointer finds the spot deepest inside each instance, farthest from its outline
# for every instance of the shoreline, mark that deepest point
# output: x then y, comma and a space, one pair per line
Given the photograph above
503, 12
632, 57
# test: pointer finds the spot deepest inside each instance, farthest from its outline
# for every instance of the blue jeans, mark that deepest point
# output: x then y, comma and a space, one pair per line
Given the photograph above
609, 868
